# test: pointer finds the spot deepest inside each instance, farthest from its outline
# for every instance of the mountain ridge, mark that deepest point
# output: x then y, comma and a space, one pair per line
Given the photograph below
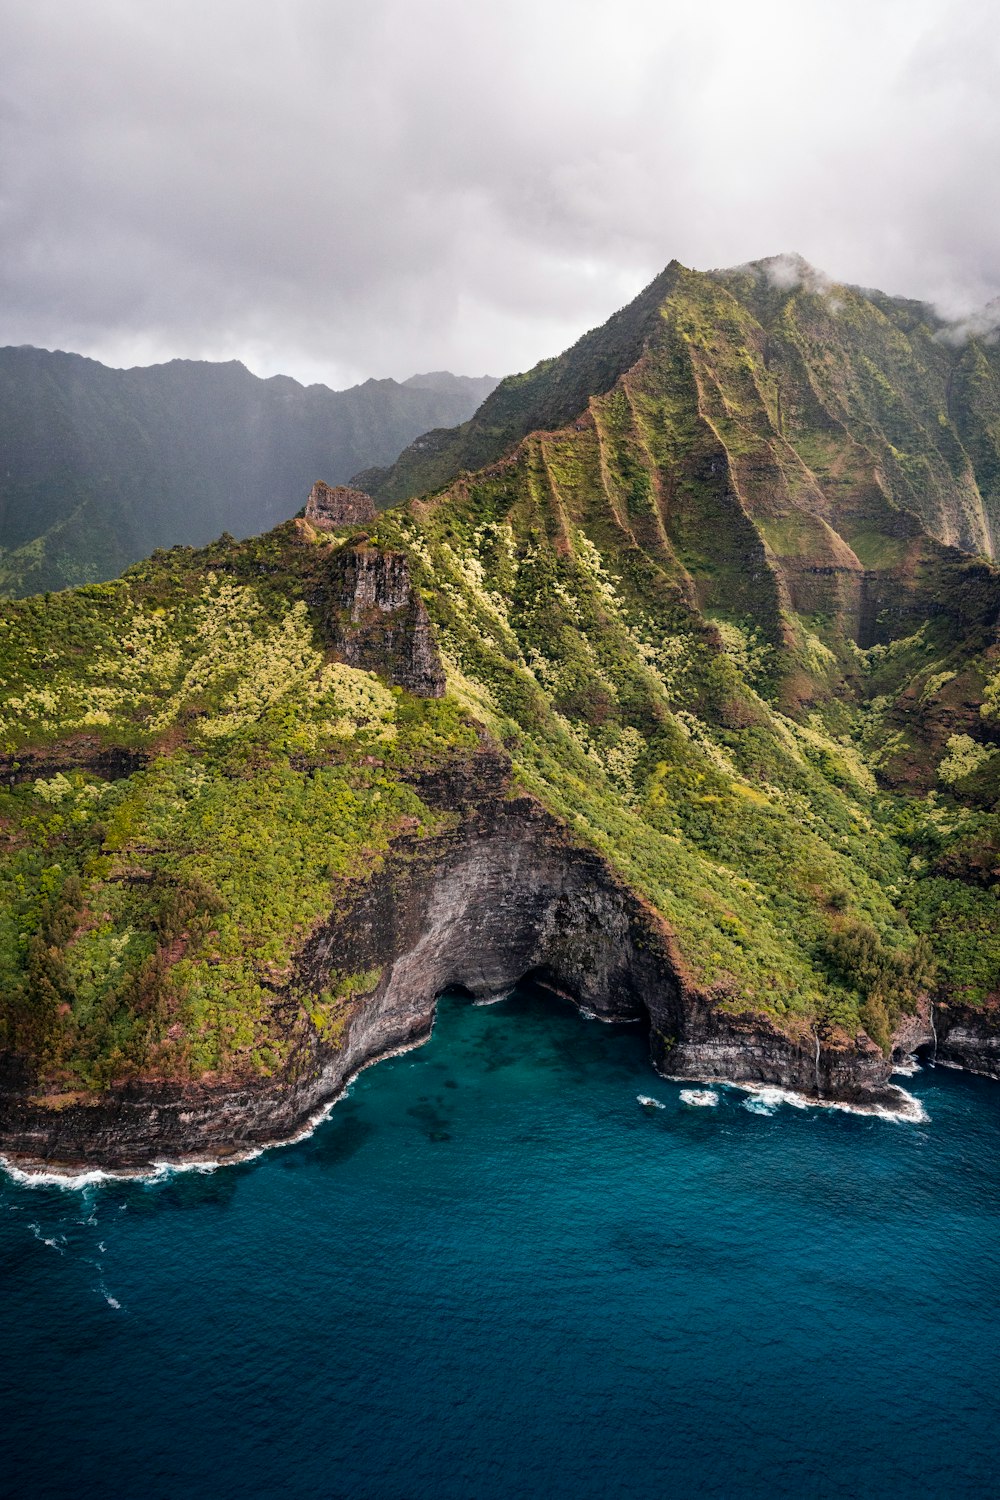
678, 707
440, 380
98, 466
914, 345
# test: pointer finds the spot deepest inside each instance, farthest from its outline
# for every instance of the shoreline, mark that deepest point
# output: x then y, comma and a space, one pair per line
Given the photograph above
76, 1178
25, 1173
910, 1112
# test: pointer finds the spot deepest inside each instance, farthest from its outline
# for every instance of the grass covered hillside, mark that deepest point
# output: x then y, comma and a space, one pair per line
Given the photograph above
698, 613
148, 920
866, 400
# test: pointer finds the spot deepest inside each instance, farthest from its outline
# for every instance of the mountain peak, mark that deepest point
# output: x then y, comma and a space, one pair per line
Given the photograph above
554, 392
787, 272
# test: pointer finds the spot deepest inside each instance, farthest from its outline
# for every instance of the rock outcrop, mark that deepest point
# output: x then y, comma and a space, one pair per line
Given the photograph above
330, 506
502, 897
376, 619
968, 1037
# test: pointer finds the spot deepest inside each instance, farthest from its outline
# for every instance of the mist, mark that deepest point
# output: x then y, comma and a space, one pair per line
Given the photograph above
338, 191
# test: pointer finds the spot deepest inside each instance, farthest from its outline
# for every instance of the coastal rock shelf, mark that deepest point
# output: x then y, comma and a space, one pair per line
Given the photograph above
502, 898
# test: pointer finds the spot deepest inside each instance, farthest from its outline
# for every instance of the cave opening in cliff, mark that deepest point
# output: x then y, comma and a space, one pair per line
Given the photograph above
545, 984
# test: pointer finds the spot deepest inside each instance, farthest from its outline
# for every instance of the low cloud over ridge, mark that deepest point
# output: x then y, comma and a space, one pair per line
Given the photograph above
336, 191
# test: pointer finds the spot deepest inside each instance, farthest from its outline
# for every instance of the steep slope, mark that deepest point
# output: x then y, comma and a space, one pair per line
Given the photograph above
675, 705
99, 466
547, 396
852, 388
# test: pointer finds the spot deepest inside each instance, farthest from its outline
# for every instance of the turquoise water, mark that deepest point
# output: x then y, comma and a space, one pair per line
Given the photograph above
494, 1273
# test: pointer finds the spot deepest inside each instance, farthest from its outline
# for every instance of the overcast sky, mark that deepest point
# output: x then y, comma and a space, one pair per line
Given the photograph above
340, 190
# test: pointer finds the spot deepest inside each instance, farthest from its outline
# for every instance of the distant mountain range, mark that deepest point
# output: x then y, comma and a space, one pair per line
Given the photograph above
100, 466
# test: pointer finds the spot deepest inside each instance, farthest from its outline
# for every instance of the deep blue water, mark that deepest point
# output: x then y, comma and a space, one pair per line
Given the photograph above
493, 1273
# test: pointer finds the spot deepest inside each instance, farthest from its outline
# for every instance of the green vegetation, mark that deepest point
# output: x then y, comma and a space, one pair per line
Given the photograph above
710, 618
151, 922
752, 832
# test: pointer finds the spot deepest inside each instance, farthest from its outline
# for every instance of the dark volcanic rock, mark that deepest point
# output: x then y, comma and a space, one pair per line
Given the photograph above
80, 753
968, 1036
913, 1031
376, 619
501, 897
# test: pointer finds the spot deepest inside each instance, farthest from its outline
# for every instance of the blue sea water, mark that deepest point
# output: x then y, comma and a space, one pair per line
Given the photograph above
493, 1272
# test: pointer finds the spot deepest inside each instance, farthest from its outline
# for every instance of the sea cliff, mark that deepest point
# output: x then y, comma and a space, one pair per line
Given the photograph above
687, 708
502, 897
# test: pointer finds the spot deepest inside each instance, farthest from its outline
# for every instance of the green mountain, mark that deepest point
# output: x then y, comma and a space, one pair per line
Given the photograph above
100, 466
685, 703
833, 376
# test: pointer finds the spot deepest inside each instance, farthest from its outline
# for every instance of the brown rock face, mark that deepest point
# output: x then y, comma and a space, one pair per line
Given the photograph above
330, 506
376, 619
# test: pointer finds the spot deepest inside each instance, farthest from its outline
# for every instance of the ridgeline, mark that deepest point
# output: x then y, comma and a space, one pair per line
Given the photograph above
99, 466
679, 692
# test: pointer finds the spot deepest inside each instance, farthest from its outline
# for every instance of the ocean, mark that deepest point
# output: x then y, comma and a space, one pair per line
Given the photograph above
494, 1272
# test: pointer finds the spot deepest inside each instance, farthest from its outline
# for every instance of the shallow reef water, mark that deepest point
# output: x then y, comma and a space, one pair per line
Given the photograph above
499, 1269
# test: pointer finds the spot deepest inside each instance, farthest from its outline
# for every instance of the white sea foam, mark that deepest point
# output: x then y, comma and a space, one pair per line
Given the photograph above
757, 1105
109, 1299
766, 1099
593, 1015
68, 1177
909, 1111
701, 1098
91, 1204
58, 1243
77, 1178
907, 1066
648, 1103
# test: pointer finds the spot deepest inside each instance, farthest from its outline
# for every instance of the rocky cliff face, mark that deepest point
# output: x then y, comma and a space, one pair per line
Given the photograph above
330, 506
504, 896
375, 619
966, 1036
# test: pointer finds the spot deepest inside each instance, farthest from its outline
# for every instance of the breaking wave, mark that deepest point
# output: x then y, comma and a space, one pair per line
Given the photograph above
766, 1099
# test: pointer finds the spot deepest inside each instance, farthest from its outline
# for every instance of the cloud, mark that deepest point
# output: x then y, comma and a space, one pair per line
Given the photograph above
341, 190
791, 270
983, 325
